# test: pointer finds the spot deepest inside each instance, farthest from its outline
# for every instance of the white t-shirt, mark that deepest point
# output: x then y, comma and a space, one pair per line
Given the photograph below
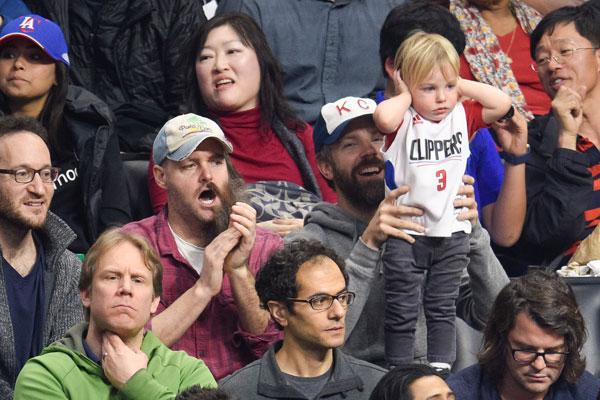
192, 253
431, 158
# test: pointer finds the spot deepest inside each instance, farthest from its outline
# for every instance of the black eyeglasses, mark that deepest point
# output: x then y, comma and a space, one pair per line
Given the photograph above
25, 175
551, 358
320, 302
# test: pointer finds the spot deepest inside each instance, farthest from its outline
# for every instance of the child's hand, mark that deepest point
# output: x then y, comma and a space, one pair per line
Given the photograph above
399, 84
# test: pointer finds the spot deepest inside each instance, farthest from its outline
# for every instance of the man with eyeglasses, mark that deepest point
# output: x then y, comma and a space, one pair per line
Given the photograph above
563, 167
304, 287
39, 298
532, 346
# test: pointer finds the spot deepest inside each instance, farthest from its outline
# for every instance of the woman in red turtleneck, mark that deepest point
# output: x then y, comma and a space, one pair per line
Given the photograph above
235, 79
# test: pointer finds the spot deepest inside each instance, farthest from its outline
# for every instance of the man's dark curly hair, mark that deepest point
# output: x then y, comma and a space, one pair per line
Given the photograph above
276, 280
13, 124
550, 303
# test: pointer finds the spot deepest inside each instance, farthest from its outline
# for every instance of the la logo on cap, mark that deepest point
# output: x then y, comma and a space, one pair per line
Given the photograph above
27, 25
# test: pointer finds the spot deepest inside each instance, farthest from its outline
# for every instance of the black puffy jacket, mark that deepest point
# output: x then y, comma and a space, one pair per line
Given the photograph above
131, 56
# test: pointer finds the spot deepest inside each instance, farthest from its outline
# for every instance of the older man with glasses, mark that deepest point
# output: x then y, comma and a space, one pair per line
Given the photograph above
563, 167
39, 299
305, 288
532, 346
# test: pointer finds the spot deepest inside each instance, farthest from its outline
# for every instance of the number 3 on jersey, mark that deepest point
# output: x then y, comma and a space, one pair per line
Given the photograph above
441, 179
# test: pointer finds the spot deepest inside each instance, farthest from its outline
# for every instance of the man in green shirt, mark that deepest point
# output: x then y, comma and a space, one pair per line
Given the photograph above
110, 356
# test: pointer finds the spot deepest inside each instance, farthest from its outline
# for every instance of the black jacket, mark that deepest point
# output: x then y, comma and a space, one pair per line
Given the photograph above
131, 56
559, 191
104, 188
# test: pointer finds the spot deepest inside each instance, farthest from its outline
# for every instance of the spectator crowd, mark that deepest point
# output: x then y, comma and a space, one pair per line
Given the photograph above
299, 199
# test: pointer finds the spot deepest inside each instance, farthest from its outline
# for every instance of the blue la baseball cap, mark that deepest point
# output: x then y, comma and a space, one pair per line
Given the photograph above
335, 117
43, 32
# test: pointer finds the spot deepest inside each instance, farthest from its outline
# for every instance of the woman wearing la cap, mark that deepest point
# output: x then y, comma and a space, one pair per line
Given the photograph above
235, 79
90, 193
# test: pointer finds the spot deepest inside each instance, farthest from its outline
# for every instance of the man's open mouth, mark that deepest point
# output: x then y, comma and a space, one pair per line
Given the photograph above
208, 196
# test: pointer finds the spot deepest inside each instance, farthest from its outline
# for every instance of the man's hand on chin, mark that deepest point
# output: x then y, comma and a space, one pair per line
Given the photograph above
119, 361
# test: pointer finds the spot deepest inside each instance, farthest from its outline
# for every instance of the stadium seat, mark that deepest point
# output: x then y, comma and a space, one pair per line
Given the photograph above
137, 185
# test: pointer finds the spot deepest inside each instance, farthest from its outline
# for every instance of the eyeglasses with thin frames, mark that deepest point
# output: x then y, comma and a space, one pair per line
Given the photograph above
563, 54
321, 302
26, 175
551, 358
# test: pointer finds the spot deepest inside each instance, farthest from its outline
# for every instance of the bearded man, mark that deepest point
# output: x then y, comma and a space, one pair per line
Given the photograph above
210, 249
348, 146
39, 298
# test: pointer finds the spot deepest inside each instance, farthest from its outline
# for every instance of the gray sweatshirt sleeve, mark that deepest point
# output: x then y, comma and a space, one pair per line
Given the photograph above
481, 282
362, 267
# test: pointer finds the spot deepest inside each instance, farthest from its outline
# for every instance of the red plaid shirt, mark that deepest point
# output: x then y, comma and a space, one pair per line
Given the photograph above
216, 336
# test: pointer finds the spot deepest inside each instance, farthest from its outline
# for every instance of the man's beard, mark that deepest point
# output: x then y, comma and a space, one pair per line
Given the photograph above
10, 216
361, 194
228, 197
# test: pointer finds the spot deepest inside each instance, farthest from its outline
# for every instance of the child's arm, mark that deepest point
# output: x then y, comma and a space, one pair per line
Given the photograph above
389, 113
495, 102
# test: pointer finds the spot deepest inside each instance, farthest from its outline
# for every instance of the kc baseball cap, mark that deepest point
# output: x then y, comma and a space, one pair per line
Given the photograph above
180, 136
334, 117
43, 32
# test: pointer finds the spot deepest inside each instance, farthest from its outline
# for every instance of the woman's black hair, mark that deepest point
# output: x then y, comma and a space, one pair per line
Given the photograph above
395, 385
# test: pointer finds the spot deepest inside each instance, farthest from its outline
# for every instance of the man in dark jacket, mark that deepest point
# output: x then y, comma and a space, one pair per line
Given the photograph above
305, 288
39, 299
563, 169
532, 346
130, 54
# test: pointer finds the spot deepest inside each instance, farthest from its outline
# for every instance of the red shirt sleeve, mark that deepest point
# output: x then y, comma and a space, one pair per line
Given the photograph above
473, 111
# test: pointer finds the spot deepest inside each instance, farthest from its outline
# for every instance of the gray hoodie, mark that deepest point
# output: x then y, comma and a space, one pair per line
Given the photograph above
481, 281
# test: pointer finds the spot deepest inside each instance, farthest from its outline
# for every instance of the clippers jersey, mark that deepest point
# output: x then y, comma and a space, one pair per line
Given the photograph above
430, 158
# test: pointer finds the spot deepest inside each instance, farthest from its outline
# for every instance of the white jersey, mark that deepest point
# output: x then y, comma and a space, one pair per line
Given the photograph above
431, 158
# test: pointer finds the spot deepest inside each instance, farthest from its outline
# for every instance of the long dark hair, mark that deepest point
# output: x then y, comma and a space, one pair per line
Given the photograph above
550, 303
51, 115
273, 104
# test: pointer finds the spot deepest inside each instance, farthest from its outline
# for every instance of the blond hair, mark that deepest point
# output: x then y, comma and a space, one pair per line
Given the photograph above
112, 238
421, 53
